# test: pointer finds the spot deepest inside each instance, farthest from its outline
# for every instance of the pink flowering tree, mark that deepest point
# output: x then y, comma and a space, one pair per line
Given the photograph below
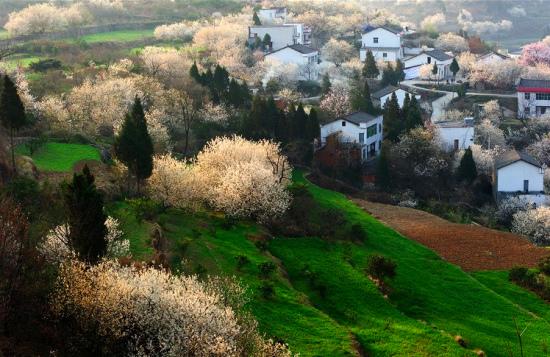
535, 53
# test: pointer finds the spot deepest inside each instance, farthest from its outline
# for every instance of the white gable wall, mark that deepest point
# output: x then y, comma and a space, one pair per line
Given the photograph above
465, 137
422, 59
288, 55
281, 36
385, 38
400, 94
510, 178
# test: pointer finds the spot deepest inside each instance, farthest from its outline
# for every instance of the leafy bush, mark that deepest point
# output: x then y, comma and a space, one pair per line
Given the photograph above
309, 88
242, 260
517, 274
46, 64
261, 245
144, 208
266, 290
544, 266
380, 267
266, 269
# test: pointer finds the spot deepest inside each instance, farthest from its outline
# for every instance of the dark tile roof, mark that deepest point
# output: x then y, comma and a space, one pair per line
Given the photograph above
384, 91
369, 28
298, 48
373, 48
503, 56
438, 55
358, 117
538, 83
511, 156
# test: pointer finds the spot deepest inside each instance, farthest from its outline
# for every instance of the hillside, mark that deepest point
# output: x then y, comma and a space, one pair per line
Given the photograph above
323, 304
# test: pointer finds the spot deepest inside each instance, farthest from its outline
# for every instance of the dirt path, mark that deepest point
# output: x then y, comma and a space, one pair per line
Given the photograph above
468, 246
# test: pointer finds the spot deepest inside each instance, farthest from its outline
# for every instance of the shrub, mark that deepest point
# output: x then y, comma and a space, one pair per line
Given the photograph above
544, 266
380, 267
242, 260
517, 274
309, 88
266, 269
46, 64
266, 290
261, 245
357, 232
144, 208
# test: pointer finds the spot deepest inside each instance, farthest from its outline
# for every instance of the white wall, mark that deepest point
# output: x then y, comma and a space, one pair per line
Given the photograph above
532, 103
510, 178
443, 66
281, 36
288, 55
270, 15
400, 94
391, 55
385, 38
465, 137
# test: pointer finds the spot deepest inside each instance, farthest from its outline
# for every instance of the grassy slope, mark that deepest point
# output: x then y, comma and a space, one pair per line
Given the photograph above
60, 157
426, 288
23, 60
118, 36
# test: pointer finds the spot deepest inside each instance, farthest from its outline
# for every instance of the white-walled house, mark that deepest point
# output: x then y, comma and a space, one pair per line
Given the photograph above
492, 57
306, 58
380, 97
533, 97
359, 128
456, 135
281, 35
519, 174
272, 14
442, 59
384, 43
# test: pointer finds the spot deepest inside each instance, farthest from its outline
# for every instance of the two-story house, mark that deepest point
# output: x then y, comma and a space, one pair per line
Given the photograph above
533, 98
358, 128
281, 35
306, 58
384, 43
519, 174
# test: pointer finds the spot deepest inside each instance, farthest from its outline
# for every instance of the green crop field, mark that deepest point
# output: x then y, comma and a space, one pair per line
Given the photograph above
118, 36
432, 301
59, 157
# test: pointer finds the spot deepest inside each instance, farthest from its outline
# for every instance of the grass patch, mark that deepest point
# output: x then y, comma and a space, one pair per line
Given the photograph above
4, 35
118, 36
23, 60
59, 157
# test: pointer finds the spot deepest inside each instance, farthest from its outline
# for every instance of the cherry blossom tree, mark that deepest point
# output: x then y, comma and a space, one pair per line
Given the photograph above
337, 51
497, 74
488, 135
433, 23
540, 149
452, 42
534, 224
180, 31
535, 53
466, 20
336, 103
164, 62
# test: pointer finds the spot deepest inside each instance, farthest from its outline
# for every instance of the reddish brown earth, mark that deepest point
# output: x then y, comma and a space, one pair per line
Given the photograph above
471, 247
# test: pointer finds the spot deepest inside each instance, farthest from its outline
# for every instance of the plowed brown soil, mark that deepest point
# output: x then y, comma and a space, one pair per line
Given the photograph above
468, 246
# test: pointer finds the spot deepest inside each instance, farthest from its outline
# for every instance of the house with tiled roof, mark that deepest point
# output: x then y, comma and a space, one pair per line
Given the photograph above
306, 58
383, 42
380, 97
442, 60
533, 98
360, 129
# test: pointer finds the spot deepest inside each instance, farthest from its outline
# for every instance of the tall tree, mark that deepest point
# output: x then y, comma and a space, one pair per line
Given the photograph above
369, 107
313, 125
467, 170
254, 123
383, 178
85, 217
256, 19
299, 124
406, 105
133, 145
360, 97
454, 67
414, 115
325, 84
399, 71
267, 41
12, 112
435, 70
194, 73
370, 70
389, 76
393, 124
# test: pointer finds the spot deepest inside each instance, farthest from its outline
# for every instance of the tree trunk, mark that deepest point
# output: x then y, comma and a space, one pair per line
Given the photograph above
186, 142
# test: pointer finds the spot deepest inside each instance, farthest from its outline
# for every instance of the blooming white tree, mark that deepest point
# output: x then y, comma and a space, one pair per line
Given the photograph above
466, 20
485, 158
452, 42
498, 74
488, 135
336, 103
154, 313
433, 23
540, 149
337, 51
508, 207
181, 31
167, 63
492, 112
37, 18
534, 224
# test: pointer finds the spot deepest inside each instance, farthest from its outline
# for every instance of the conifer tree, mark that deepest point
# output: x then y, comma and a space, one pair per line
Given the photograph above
399, 72
267, 41
299, 127
414, 115
313, 125
254, 126
383, 178
435, 70
325, 84
86, 220
467, 170
133, 145
406, 105
12, 112
388, 75
393, 124
370, 70
194, 73
369, 107
272, 117
256, 19
360, 97
454, 67
235, 94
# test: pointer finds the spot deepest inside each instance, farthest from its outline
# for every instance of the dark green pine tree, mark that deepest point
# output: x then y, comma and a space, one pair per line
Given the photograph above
207, 77
406, 105
272, 118
267, 41
388, 76
369, 107
454, 67
235, 94
383, 177
399, 72
369, 69
253, 123
414, 115
194, 73
85, 217
313, 125
288, 130
467, 170
393, 124
220, 83
12, 112
133, 145
434, 69
256, 19
325, 84
299, 124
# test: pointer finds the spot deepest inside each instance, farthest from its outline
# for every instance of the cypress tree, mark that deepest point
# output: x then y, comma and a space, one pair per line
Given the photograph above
383, 178
133, 145
325, 84
234, 94
313, 125
369, 69
254, 124
256, 19
467, 170
434, 69
454, 67
414, 116
299, 127
406, 104
388, 76
272, 117
399, 72
267, 41
194, 73
86, 220
369, 107
393, 125
12, 112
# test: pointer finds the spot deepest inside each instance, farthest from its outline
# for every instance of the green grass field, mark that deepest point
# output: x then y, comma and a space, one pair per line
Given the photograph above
432, 300
59, 157
118, 36
24, 60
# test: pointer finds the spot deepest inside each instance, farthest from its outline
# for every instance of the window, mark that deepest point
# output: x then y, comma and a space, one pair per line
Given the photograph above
525, 186
385, 55
456, 142
371, 131
543, 96
527, 95
361, 138
429, 60
542, 110
527, 110
343, 123
375, 40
